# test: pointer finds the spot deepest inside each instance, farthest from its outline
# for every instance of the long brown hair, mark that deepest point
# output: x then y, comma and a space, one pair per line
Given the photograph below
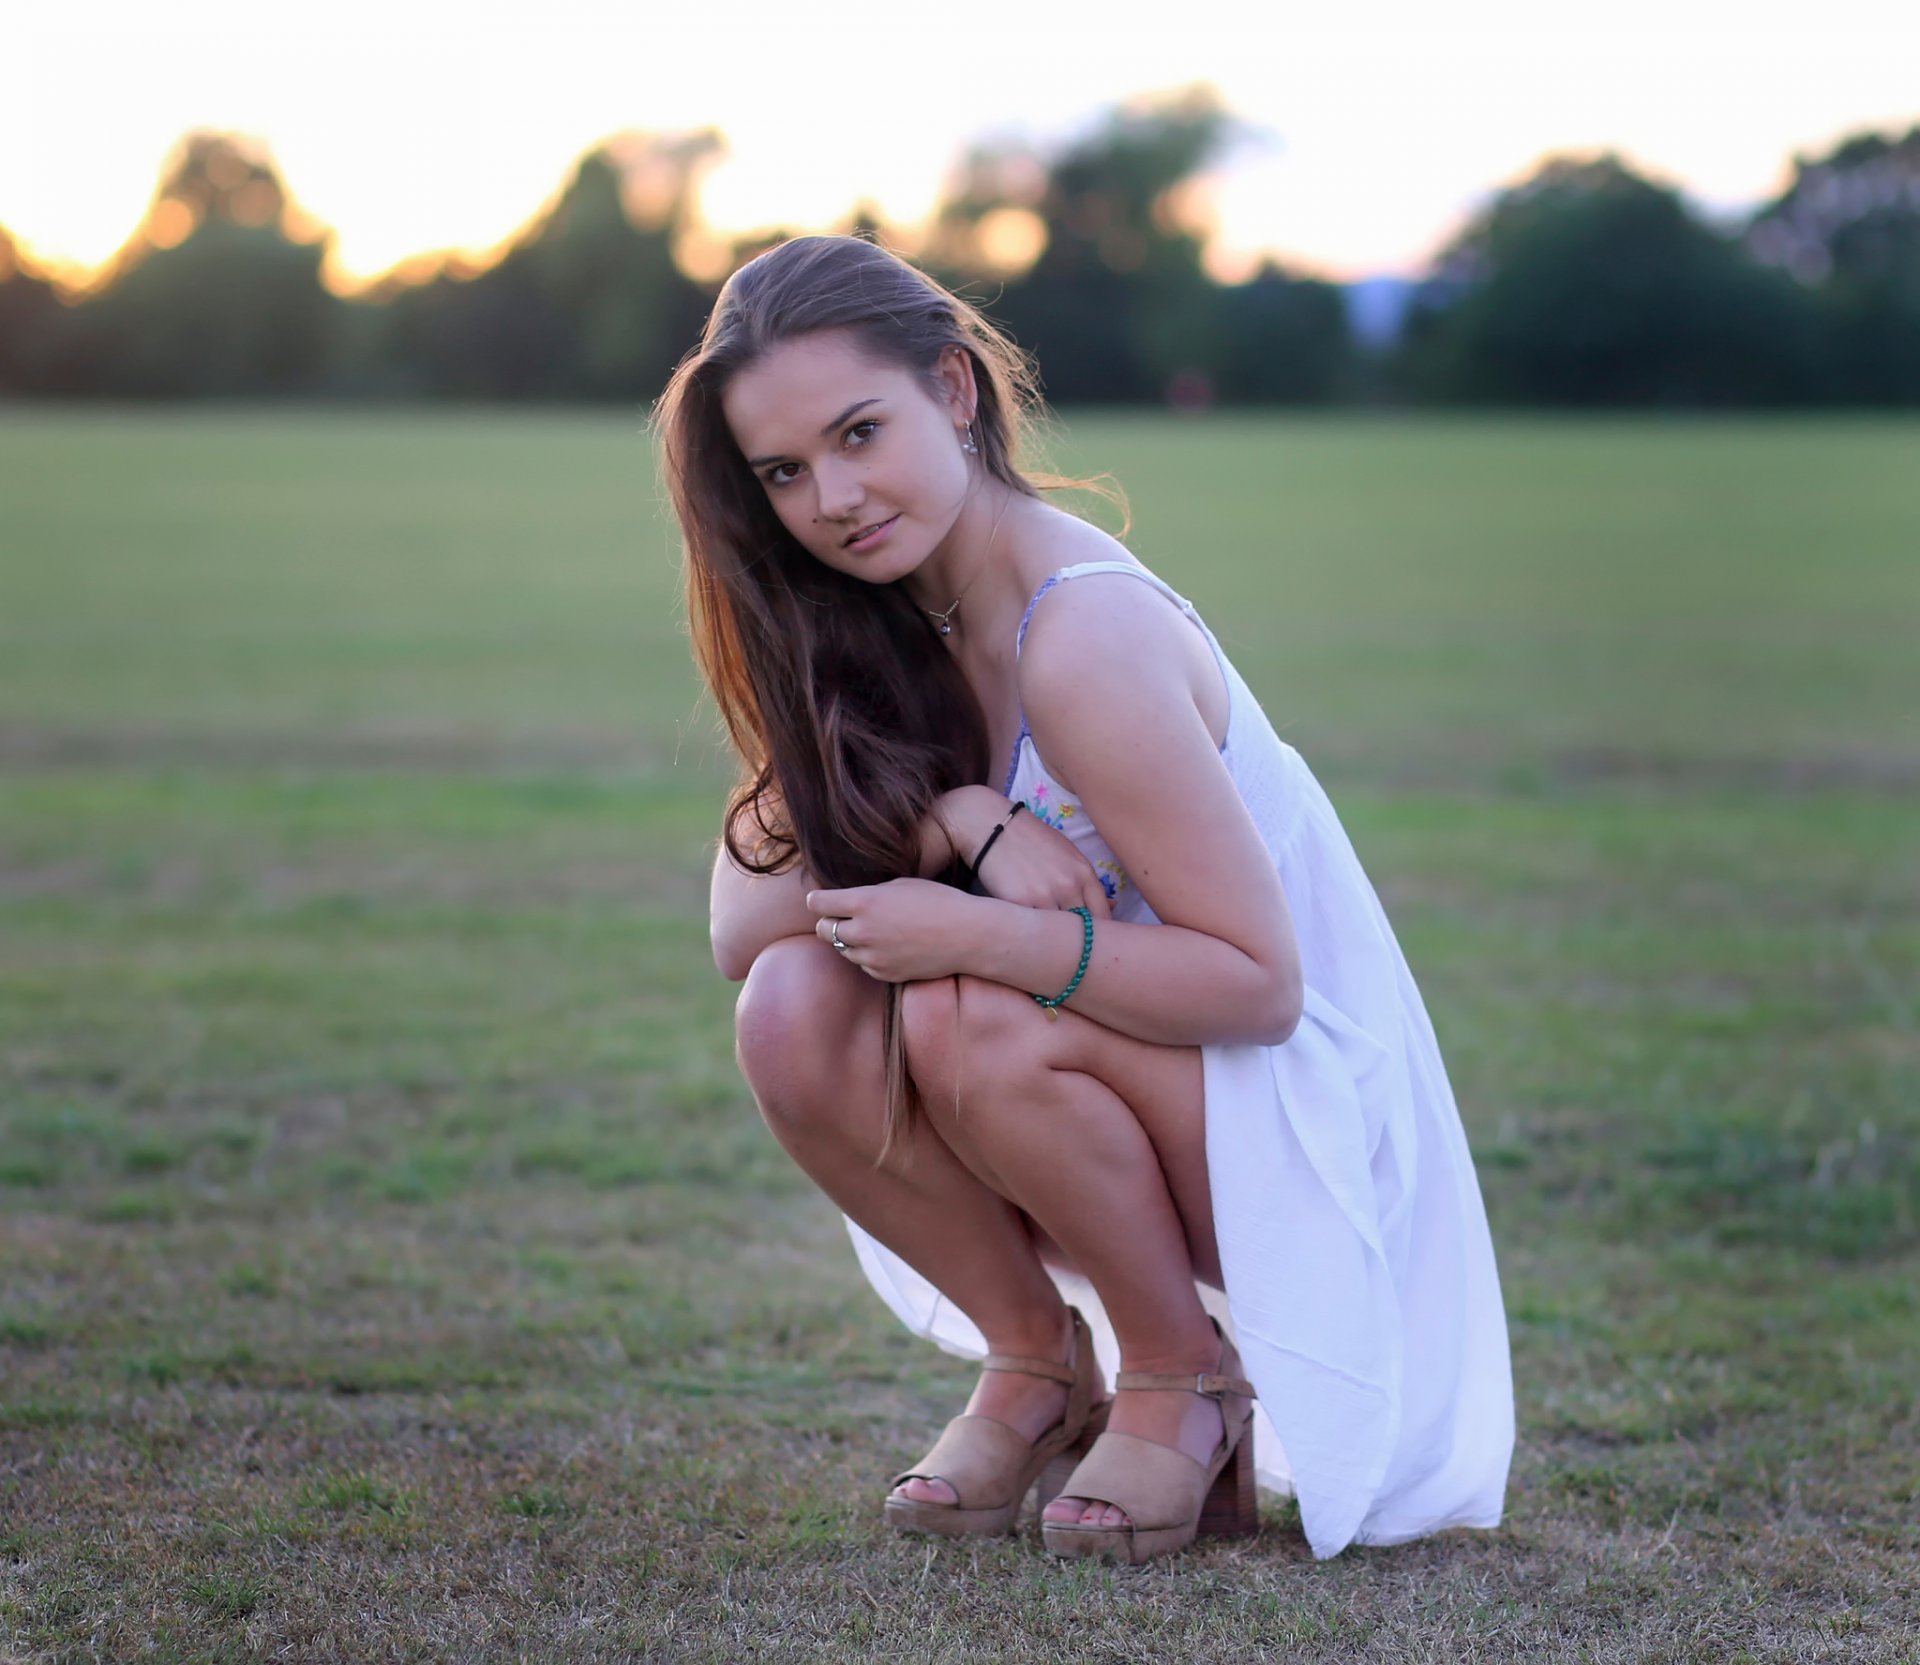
848, 714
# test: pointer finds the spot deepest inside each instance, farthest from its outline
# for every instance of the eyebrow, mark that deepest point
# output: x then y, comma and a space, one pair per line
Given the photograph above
858, 404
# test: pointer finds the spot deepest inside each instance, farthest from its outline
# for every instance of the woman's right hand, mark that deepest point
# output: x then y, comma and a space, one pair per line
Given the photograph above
1040, 867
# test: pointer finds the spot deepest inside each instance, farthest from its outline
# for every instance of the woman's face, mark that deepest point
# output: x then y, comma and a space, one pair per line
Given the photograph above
861, 461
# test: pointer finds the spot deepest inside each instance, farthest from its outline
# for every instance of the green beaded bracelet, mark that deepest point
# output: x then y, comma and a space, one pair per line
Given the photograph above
1086, 954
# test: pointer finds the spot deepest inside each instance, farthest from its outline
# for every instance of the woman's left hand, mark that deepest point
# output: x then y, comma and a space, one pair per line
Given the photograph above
903, 931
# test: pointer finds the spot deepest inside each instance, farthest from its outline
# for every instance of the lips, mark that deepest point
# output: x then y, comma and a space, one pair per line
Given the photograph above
869, 530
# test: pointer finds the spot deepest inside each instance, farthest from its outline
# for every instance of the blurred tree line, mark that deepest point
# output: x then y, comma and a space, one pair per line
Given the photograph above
1590, 285
1585, 285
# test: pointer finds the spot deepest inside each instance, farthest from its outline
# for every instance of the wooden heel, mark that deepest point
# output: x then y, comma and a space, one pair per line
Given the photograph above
1232, 1508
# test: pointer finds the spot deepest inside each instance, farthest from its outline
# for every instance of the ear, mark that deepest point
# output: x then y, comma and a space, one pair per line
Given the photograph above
954, 368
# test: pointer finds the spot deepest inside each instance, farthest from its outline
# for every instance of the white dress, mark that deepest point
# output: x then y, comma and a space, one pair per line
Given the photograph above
1360, 1280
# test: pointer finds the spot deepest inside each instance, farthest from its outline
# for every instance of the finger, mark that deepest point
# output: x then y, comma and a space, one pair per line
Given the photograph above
1079, 895
836, 904
1094, 895
824, 928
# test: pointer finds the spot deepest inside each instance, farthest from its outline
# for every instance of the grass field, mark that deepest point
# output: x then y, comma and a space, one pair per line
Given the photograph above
392, 1265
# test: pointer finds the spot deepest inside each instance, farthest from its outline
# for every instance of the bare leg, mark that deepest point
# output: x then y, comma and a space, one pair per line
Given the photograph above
1100, 1138
808, 1039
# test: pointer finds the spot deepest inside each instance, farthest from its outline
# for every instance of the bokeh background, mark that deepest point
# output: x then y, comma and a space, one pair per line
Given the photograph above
391, 1261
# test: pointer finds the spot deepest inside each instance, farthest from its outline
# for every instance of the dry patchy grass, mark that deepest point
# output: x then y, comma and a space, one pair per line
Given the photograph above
391, 1265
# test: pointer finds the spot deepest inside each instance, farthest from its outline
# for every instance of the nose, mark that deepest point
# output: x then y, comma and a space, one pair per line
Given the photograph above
841, 491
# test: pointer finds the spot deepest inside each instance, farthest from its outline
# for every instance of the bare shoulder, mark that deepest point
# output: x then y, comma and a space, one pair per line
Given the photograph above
1106, 648
1110, 618
1101, 612
1067, 612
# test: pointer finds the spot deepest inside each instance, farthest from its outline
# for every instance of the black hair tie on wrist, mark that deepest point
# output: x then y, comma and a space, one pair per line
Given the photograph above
973, 873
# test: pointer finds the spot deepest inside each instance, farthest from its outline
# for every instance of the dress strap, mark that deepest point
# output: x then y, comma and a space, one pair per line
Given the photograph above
1134, 571
1026, 618
1083, 569
1160, 584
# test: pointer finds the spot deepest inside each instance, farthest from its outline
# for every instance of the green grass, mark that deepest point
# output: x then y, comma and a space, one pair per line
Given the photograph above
392, 1264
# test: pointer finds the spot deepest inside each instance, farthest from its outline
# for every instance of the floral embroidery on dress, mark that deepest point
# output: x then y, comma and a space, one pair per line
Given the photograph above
1057, 815
1054, 816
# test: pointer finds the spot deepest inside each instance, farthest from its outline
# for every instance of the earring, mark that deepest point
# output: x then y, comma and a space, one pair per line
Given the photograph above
967, 444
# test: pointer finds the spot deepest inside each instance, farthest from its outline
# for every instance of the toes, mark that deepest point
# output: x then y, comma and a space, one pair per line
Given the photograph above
1080, 1511
927, 1491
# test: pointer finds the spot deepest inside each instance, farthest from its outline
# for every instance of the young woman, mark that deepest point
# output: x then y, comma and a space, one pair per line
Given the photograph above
1152, 1046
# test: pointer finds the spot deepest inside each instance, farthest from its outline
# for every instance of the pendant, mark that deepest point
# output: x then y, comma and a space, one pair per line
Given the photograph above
946, 629
1053, 1014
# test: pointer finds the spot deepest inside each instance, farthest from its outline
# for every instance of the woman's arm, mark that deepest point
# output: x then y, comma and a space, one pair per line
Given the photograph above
1165, 983
746, 911
1112, 686
1111, 691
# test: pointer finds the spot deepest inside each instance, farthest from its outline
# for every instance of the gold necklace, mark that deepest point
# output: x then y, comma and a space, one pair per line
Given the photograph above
945, 614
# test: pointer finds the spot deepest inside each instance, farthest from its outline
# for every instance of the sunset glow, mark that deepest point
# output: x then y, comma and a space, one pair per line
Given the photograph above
418, 127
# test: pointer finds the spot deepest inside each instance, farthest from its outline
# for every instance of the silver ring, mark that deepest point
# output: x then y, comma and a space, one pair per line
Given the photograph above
834, 933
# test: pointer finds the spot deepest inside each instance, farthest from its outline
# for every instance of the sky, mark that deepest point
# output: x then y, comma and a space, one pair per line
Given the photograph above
420, 125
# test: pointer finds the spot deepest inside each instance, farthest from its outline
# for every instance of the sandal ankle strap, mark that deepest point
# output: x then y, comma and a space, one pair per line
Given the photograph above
1067, 1375
1204, 1382
1024, 1366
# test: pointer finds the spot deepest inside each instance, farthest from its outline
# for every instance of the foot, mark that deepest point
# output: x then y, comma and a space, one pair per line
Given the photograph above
1029, 1404
1188, 1422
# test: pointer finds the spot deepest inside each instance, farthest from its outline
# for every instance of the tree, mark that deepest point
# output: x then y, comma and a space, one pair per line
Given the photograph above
1289, 341
1848, 226
587, 302
211, 295
1116, 305
1589, 285
31, 319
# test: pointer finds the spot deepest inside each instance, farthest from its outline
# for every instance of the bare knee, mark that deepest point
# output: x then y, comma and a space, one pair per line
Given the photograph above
929, 1031
1003, 1024
990, 1067
798, 1035
966, 1037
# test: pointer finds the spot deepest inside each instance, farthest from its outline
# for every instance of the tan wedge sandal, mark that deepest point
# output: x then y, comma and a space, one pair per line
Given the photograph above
990, 1466
1169, 1498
